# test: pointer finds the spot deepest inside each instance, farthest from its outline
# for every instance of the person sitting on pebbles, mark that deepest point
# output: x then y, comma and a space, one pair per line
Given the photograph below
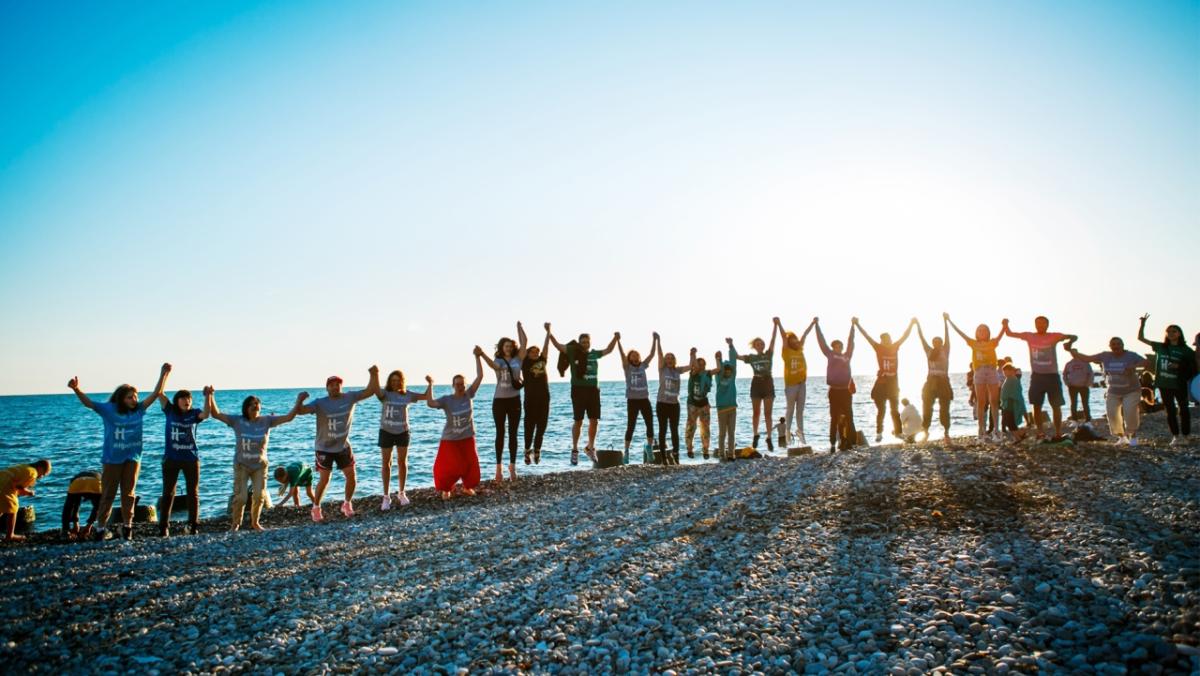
16, 481
291, 477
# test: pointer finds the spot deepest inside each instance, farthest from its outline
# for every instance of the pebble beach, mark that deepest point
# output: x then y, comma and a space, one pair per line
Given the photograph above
966, 558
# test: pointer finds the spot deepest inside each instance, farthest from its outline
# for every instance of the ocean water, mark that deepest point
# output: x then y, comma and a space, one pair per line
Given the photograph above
58, 427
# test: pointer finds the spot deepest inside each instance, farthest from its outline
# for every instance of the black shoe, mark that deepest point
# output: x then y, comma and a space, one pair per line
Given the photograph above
574, 456
770, 446
127, 532
755, 444
528, 456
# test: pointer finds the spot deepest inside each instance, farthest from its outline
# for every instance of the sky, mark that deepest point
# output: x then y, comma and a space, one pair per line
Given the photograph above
266, 193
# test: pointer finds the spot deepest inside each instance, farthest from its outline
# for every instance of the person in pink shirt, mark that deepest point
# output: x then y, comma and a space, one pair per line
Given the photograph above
1045, 381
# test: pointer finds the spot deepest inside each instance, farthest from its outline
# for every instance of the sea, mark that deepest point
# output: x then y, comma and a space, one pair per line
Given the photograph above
59, 428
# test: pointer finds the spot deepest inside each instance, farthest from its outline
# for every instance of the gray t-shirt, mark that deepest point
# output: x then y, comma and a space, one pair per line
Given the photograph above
668, 383
252, 437
393, 417
1121, 372
939, 362
505, 370
334, 416
460, 416
636, 385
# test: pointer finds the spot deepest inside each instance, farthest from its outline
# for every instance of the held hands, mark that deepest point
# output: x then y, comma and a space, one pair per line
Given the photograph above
429, 379
478, 351
1004, 323
655, 335
301, 397
775, 321
209, 391
693, 351
547, 325
374, 370
166, 368
946, 316
617, 335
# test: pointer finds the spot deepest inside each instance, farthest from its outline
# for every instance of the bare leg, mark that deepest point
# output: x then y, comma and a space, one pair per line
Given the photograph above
351, 481
593, 425
322, 483
387, 469
576, 428
402, 465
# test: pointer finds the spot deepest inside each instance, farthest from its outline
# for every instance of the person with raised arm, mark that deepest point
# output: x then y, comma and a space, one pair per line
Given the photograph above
181, 455
121, 456
637, 393
1174, 368
536, 377
585, 386
1078, 375
762, 384
666, 405
795, 379
727, 403
252, 433
1045, 382
1123, 396
887, 381
506, 401
987, 377
840, 382
457, 459
335, 414
395, 398
937, 382
699, 411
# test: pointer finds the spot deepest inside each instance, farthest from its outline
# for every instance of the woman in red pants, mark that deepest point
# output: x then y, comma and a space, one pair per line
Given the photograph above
456, 458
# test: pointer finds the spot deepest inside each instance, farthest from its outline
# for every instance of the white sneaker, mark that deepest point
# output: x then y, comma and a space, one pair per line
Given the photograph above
347, 509
1174, 441
402, 499
386, 504
1122, 441
1133, 442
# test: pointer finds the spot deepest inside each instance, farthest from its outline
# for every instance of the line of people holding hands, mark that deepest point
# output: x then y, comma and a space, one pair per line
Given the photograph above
519, 367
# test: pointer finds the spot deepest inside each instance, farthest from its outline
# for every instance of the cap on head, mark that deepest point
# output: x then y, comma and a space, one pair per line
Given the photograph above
333, 379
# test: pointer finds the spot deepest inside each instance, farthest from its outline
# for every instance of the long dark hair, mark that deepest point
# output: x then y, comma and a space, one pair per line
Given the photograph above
246, 405
500, 346
1167, 337
387, 384
175, 400
118, 397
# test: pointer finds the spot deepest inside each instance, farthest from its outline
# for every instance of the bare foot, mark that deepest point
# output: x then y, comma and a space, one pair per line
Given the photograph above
468, 491
446, 495
499, 474
14, 538
233, 529
512, 471
257, 526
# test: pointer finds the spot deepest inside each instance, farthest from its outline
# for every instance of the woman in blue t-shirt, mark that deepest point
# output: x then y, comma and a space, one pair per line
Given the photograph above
122, 454
180, 455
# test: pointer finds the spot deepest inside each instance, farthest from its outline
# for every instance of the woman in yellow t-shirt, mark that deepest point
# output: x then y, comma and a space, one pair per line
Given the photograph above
795, 381
987, 378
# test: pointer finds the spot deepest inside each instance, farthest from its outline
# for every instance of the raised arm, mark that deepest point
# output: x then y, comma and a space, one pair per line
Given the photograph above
373, 387
807, 330
73, 384
946, 333
522, 341
657, 347
546, 345
164, 402
612, 343
158, 387
821, 338
550, 338
429, 400
1005, 330
776, 329
968, 339
904, 336
921, 336
210, 403
850, 343
1094, 358
207, 412
297, 409
692, 359
480, 353
479, 356
621, 352
653, 348
855, 325
1142, 330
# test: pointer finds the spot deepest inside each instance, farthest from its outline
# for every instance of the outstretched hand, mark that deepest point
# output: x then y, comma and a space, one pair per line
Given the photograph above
301, 397
478, 351
728, 341
73, 383
166, 368
946, 316
854, 320
429, 379
1145, 317
547, 326
208, 390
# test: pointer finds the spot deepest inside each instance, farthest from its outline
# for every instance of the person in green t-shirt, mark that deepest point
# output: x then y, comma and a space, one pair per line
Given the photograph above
291, 477
1174, 366
585, 387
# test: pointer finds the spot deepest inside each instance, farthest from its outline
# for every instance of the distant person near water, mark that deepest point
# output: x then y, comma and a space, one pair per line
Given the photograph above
121, 456
15, 482
536, 377
840, 382
1123, 396
1044, 381
394, 398
637, 393
1174, 368
795, 381
252, 434
180, 455
506, 399
937, 381
762, 384
335, 415
457, 459
667, 402
582, 360
987, 378
886, 390
1078, 376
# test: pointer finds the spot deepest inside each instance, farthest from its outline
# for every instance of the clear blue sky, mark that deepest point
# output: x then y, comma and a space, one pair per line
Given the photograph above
266, 193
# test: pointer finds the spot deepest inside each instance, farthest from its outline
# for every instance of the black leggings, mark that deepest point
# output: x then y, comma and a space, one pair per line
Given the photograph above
937, 388
1079, 402
537, 413
1173, 399
634, 407
70, 515
668, 416
841, 419
510, 408
191, 479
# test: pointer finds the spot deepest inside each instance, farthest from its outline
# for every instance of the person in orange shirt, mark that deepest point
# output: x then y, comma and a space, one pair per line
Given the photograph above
16, 481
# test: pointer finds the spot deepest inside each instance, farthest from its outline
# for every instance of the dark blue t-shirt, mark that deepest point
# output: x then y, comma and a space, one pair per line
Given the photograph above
181, 435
